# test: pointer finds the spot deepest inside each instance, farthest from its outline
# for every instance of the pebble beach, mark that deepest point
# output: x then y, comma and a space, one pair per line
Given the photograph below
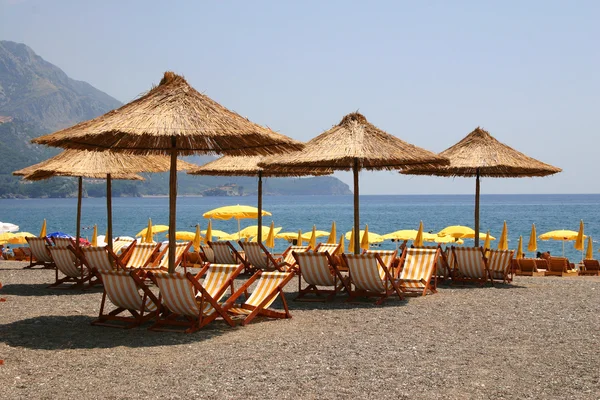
535, 338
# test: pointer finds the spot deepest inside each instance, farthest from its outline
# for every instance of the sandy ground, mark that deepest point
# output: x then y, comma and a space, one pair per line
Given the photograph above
536, 338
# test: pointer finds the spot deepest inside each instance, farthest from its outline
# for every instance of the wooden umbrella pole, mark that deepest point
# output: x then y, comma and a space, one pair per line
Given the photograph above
477, 209
109, 211
172, 204
259, 207
356, 207
79, 196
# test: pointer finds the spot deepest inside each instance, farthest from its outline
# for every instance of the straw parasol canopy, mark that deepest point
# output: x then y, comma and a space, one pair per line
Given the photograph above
248, 166
172, 118
480, 154
354, 144
98, 165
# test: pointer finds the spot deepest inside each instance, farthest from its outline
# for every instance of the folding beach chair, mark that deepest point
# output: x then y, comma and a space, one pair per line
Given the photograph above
371, 277
162, 261
442, 268
207, 252
120, 246
123, 290
140, 255
332, 248
389, 258
64, 242
499, 264
39, 252
417, 275
190, 305
559, 266
269, 286
590, 267
528, 267
67, 263
288, 254
318, 269
260, 258
225, 253
469, 265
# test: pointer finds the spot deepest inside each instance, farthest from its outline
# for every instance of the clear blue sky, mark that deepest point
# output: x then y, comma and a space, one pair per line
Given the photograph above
428, 72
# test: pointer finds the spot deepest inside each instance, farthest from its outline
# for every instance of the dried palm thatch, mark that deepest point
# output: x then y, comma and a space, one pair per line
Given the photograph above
480, 153
98, 164
172, 115
353, 140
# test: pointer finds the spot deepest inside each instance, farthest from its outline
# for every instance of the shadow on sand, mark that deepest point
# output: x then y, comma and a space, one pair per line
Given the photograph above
42, 289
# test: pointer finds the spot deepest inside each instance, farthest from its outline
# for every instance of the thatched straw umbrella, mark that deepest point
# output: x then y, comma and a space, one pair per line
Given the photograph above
172, 118
354, 144
98, 165
480, 154
248, 166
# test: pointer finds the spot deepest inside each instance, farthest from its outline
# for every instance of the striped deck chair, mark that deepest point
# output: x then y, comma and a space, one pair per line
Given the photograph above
225, 253
123, 290
39, 252
260, 258
591, 267
269, 286
559, 266
371, 277
121, 245
528, 267
442, 269
67, 263
162, 261
184, 297
208, 253
332, 248
64, 242
288, 254
389, 259
499, 264
469, 265
318, 269
140, 255
99, 259
418, 272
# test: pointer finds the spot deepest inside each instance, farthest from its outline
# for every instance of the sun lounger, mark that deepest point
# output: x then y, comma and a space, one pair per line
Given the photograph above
370, 277
389, 258
499, 264
559, 266
332, 248
208, 253
123, 290
590, 267
318, 269
39, 252
190, 305
63, 241
225, 253
469, 265
20, 254
417, 275
288, 254
259, 257
528, 267
67, 263
162, 261
140, 255
122, 245
269, 286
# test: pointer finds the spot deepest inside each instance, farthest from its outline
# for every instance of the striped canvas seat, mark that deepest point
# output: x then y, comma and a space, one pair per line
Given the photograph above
121, 245
97, 258
123, 290
469, 265
331, 248
269, 287
370, 277
387, 256
60, 241
162, 261
260, 258
209, 254
141, 255
66, 262
288, 255
419, 266
39, 250
499, 263
317, 269
222, 252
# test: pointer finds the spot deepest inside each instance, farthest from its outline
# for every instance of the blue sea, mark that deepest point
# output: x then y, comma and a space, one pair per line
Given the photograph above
383, 214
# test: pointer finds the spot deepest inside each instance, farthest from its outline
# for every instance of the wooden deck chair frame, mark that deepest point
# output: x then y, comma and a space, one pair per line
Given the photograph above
125, 258
528, 267
236, 256
321, 248
423, 285
167, 321
288, 256
459, 273
262, 308
490, 259
443, 262
45, 262
278, 264
114, 260
591, 267
207, 253
559, 266
63, 241
138, 316
389, 284
339, 282
391, 256
78, 274
181, 254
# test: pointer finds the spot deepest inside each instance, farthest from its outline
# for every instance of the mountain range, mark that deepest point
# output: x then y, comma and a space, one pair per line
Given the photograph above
37, 97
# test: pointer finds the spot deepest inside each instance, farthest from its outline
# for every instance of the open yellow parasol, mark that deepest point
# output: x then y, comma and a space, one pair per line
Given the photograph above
238, 212
456, 231
19, 237
562, 235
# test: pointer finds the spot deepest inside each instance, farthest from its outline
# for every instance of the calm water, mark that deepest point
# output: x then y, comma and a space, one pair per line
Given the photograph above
384, 214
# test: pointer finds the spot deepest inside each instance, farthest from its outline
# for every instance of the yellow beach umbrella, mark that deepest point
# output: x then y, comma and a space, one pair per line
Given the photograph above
252, 231
184, 235
43, 230
332, 234
148, 234
532, 245
342, 244
351, 244
562, 235
589, 254
95, 236
238, 212
154, 229
404, 234
579, 242
482, 236
214, 233
503, 243
271, 236
313, 238
318, 234
364, 241
299, 238
5, 237
488, 238
19, 238
197, 238
418, 242
447, 239
286, 235
209, 232
456, 231
520, 248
